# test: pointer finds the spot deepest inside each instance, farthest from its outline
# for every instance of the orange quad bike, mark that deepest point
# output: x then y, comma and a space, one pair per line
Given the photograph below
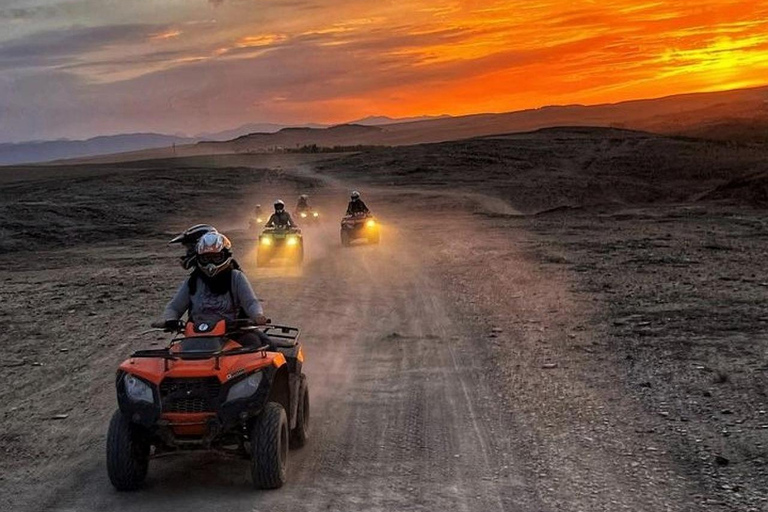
205, 391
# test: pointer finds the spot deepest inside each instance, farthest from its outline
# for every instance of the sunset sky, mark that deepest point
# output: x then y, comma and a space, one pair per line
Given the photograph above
79, 68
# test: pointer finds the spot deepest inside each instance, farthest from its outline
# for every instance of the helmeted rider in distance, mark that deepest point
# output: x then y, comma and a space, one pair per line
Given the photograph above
281, 218
356, 205
216, 291
303, 203
257, 219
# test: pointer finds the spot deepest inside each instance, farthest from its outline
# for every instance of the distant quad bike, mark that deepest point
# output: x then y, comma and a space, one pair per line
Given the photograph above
207, 392
360, 226
308, 216
280, 242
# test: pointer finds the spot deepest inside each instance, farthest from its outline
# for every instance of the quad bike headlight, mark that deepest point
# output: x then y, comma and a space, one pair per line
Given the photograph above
137, 390
265, 240
303, 215
245, 387
292, 240
315, 214
371, 223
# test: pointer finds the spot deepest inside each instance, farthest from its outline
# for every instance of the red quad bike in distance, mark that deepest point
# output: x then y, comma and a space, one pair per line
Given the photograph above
359, 226
204, 391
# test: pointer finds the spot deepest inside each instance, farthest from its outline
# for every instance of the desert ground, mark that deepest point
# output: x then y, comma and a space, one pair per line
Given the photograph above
568, 320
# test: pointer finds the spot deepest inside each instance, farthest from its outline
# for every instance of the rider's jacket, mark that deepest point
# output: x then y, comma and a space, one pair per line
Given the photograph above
357, 206
302, 204
222, 297
280, 219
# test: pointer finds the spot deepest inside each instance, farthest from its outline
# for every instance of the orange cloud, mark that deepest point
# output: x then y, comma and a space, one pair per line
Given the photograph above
170, 34
259, 41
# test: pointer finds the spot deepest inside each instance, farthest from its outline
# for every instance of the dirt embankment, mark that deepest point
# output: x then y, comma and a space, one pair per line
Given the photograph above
564, 168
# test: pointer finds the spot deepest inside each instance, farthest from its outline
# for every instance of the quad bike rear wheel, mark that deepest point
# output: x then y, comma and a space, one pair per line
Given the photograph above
269, 447
127, 453
300, 434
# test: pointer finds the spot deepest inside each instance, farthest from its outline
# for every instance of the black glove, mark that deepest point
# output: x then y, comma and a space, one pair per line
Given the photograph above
173, 325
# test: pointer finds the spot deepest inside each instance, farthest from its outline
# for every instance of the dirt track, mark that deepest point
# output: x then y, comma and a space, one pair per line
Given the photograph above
417, 403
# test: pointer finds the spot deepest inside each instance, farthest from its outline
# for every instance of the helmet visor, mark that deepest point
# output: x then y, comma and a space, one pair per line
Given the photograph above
217, 258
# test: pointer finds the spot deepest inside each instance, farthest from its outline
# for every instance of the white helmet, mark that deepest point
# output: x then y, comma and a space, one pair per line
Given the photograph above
214, 253
279, 205
304, 196
355, 195
189, 239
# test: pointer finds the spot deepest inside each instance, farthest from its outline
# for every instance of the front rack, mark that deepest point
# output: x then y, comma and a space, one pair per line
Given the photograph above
281, 332
167, 355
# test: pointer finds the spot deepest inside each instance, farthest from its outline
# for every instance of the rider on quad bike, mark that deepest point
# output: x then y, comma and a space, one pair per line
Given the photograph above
216, 291
212, 388
356, 205
281, 218
358, 223
281, 238
305, 212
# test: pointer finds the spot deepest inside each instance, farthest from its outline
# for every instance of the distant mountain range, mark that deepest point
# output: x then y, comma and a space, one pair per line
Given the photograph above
45, 151
252, 128
740, 114
382, 120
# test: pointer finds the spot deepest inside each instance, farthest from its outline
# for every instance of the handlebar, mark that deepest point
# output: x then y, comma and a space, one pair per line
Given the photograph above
245, 322
231, 325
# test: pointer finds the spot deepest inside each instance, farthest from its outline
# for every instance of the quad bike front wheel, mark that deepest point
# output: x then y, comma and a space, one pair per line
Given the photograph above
300, 434
269, 447
127, 453
374, 237
344, 238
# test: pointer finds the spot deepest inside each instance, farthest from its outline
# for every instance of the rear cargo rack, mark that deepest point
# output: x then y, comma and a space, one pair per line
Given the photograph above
282, 331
